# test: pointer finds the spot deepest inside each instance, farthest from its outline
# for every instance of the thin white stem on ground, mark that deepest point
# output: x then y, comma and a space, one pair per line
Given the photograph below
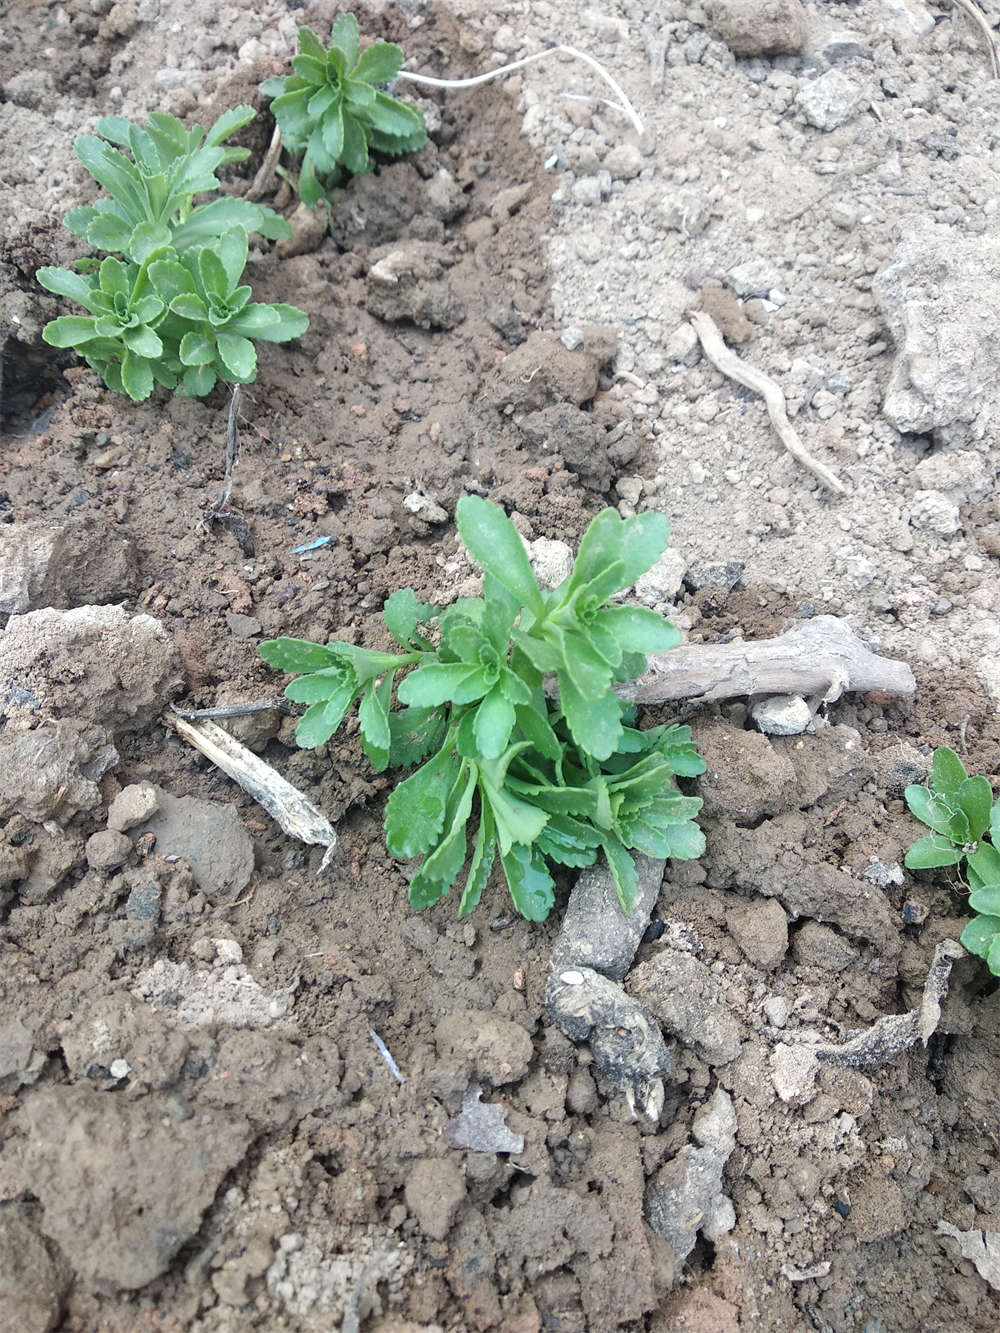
624, 104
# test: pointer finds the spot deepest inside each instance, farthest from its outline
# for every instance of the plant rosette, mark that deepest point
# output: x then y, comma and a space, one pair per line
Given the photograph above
964, 821
332, 114
539, 781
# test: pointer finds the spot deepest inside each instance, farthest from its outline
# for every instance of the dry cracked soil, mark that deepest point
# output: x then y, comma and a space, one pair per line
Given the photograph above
230, 1084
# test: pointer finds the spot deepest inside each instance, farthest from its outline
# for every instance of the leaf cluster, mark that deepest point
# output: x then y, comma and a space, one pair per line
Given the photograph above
543, 781
332, 114
965, 831
172, 310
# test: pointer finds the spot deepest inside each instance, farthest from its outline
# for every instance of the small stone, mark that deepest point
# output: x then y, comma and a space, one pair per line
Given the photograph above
107, 850
686, 212
777, 1010
881, 875
242, 627
793, 1073
551, 561
759, 27
119, 1069
133, 805
935, 513
660, 585
761, 930
816, 945
963, 475
587, 191
682, 346
725, 576
754, 277
624, 161
829, 101
571, 337
143, 902
843, 213
782, 715
434, 1193
423, 507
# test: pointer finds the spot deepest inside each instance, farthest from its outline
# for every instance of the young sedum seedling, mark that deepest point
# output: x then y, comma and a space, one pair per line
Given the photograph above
965, 831
331, 111
172, 310
541, 781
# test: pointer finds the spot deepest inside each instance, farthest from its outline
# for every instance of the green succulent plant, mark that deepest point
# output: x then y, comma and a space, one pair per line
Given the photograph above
331, 111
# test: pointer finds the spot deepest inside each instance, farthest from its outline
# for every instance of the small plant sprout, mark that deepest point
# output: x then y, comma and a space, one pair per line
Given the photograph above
331, 111
540, 781
332, 114
172, 310
964, 821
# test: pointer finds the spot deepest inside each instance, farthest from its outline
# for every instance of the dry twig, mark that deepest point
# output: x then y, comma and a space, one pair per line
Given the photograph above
730, 365
971, 10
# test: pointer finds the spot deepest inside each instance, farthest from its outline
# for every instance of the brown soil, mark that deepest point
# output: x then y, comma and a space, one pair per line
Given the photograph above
257, 1164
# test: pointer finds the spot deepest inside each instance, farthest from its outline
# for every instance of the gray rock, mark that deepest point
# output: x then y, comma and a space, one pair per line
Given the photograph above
829, 101
586, 190
782, 714
660, 585
624, 161
687, 999
935, 513
444, 198
754, 277
133, 805
46, 773
686, 1194
962, 475
551, 561
759, 27
816, 945
107, 850
95, 663
423, 507
941, 298
67, 564
20, 1063
726, 576
571, 337
793, 1073
209, 836
435, 1191
124, 1184
761, 930
33, 1285
595, 932
686, 212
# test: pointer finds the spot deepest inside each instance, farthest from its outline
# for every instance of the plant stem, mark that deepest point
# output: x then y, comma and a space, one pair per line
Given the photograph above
625, 105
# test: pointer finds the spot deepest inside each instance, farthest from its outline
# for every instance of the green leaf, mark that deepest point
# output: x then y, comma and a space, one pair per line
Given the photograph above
378, 63
170, 279
600, 546
639, 630
212, 274
594, 724
319, 722
986, 899
984, 866
941, 813
69, 331
310, 44
623, 872
327, 683
374, 718
64, 282
297, 654
228, 123
415, 732
496, 546
114, 173
291, 111
237, 355
403, 613
434, 683
398, 120
310, 190
321, 101
147, 308
414, 813
142, 341
332, 131
516, 820
687, 842
198, 380
975, 798
530, 885
931, 852
196, 349
443, 864
189, 305
979, 935
645, 539
993, 956
309, 68
494, 723
359, 95
947, 771
231, 248
537, 730
581, 663
137, 377
354, 152
484, 852
289, 323
108, 232
146, 239
346, 37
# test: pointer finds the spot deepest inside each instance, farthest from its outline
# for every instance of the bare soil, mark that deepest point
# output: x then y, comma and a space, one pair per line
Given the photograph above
200, 1128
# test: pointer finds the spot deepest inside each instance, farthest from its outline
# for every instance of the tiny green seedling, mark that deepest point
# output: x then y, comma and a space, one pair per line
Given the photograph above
550, 782
965, 830
172, 310
332, 112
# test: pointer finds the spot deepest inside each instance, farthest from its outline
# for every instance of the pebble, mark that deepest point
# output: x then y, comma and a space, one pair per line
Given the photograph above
777, 1010
133, 805
725, 575
782, 715
754, 277
571, 337
662, 583
624, 162
963, 475
107, 850
682, 346
793, 1073
424, 508
935, 513
829, 101
587, 190
551, 561
759, 27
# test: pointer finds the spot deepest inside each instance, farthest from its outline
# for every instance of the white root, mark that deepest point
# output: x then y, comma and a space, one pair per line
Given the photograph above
730, 365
